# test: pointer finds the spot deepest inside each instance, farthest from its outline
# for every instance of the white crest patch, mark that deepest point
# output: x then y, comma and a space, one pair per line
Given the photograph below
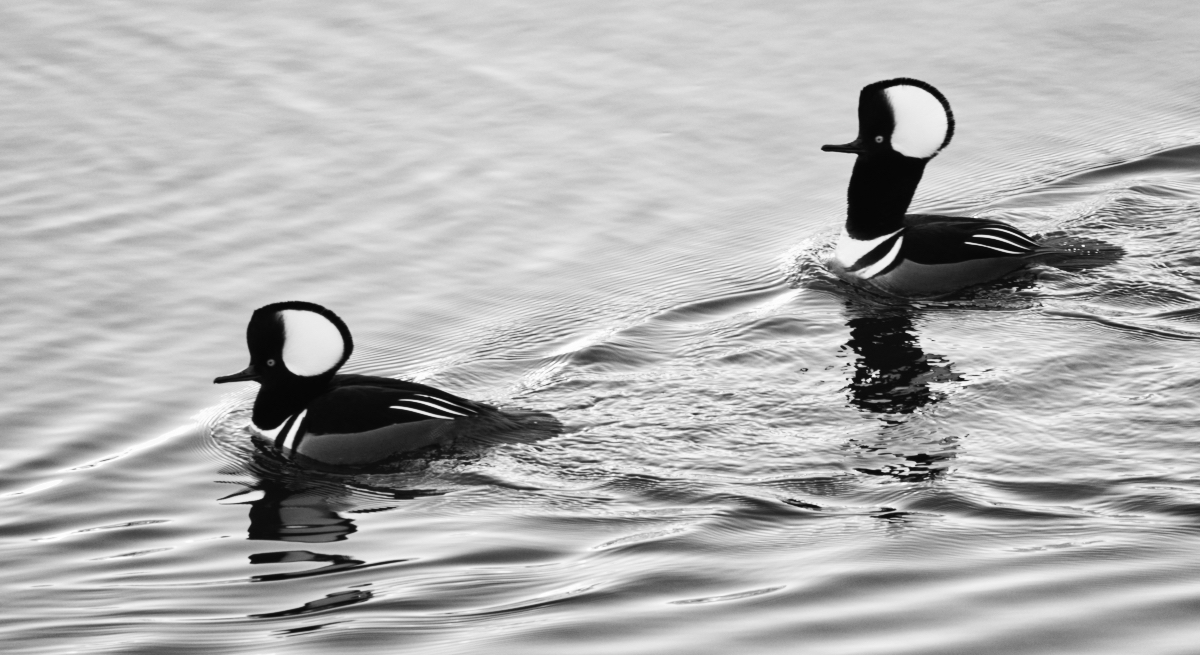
312, 344
921, 122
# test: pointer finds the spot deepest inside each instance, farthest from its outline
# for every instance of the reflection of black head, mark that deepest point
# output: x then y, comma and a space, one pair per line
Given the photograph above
892, 372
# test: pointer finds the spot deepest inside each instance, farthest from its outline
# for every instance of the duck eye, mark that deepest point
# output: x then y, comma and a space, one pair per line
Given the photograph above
879, 139
270, 362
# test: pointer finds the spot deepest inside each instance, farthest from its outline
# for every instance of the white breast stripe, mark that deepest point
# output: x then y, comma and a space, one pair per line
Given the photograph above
884, 262
1007, 252
850, 250
411, 400
270, 434
446, 402
290, 440
1004, 241
417, 411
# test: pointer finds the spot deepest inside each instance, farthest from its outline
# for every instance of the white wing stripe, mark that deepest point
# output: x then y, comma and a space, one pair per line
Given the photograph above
884, 262
445, 402
1005, 241
1007, 232
438, 407
1007, 252
417, 411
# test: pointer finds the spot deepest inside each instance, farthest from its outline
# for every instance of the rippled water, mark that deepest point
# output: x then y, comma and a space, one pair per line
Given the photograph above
615, 213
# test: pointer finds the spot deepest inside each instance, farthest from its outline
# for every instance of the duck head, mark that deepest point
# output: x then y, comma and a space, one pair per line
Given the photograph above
295, 349
902, 116
902, 124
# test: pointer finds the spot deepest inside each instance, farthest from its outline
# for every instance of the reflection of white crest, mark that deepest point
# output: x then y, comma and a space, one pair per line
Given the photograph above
921, 122
312, 344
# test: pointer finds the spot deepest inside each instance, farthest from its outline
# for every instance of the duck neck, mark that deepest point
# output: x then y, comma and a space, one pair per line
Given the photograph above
280, 399
881, 188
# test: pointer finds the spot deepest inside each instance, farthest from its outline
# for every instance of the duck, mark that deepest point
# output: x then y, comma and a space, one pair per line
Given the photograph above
903, 123
315, 416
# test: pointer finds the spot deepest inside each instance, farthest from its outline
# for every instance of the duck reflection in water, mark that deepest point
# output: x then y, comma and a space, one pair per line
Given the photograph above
298, 505
302, 507
892, 374
894, 378
306, 505
305, 516
284, 515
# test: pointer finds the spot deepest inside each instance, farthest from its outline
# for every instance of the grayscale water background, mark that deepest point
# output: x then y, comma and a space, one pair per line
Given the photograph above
612, 212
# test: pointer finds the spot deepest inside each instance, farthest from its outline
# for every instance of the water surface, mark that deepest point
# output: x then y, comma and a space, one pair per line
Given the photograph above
615, 213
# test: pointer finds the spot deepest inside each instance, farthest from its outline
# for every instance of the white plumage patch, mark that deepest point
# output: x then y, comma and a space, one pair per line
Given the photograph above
312, 344
885, 261
1002, 239
437, 407
269, 435
433, 407
921, 121
289, 442
850, 250
1005, 232
996, 248
993, 237
447, 403
421, 412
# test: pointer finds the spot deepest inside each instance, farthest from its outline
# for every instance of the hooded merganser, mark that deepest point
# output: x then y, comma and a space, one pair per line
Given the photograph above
902, 124
313, 415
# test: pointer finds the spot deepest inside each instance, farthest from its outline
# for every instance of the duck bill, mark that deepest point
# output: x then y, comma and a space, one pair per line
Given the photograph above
855, 147
249, 374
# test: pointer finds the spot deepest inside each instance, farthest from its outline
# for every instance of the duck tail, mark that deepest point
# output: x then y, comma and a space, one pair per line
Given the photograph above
1071, 253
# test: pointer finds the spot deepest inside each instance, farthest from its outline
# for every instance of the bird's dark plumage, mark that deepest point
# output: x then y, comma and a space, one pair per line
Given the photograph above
904, 123
314, 415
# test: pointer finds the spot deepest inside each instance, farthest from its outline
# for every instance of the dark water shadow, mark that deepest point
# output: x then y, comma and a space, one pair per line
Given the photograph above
295, 504
895, 380
908, 455
302, 504
310, 505
892, 373
331, 601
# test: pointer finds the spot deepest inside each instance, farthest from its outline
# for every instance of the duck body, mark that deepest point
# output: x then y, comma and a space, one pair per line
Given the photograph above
315, 416
360, 420
903, 124
930, 255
